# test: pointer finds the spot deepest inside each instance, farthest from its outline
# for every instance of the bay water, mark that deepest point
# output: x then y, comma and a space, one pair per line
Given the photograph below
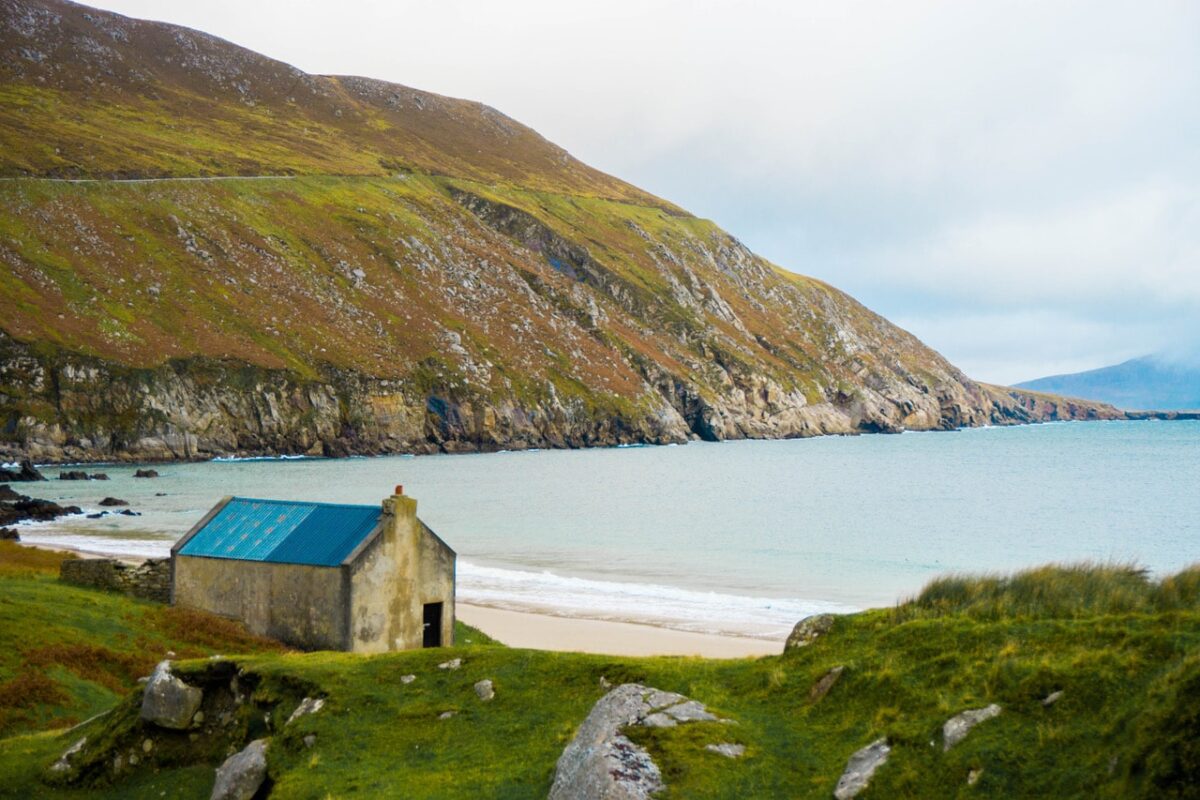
734, 537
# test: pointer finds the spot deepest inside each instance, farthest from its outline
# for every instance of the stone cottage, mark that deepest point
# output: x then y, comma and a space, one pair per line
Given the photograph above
319, 576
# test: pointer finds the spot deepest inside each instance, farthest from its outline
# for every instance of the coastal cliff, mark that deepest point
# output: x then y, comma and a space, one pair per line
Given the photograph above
272, 262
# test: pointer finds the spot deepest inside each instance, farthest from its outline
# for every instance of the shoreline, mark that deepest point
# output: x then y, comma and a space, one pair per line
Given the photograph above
534, 630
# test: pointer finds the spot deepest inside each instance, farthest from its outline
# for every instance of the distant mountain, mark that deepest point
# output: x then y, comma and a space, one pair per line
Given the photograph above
1150, 382
204, 251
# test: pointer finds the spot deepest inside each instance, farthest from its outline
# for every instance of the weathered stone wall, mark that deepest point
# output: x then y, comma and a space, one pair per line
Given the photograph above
150, 580
392, 579
300, 605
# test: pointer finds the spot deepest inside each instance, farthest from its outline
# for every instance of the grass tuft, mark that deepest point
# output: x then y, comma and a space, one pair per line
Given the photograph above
1055, 592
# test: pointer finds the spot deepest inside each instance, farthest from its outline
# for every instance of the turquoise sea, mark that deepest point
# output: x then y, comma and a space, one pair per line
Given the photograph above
742, 537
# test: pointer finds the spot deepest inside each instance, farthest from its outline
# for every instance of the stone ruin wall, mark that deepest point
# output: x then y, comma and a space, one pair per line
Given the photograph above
150, 580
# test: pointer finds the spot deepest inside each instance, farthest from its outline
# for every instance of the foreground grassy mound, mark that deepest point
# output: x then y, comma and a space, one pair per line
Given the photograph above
1124, 724
67, 653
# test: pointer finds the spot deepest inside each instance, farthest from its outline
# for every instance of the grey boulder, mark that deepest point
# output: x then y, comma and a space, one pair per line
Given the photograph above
242, 774
601, 763
307, 706
860, 768
167, 701
808, 630
958, 726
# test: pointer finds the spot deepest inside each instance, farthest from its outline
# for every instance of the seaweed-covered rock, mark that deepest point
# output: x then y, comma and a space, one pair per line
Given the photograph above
113, 501
168, 702
146, 473
24, 472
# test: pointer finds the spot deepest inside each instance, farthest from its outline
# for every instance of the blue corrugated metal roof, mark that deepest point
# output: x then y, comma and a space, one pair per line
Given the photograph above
283, 531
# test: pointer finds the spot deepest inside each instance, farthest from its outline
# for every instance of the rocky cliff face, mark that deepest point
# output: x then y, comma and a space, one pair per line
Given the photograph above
401, 272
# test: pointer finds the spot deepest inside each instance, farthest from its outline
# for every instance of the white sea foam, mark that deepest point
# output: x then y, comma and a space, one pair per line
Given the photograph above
668, 606
232, 459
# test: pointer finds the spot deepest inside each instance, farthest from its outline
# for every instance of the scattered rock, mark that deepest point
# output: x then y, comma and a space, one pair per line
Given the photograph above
808, 630
822, 687
406, 679
7, 495
1052, 698
146, 473
446, 714
242, 774
727, 749
167, 701
453, 663
310, 740
28, 508
974, 775
147, 745
601, 763
485, 690
64, 761
98, 515
307, 706
958, 726
126, 512
25, 472
73, 475
98, 476
160, 494
9, 535
113, 501
860, 768
605, 683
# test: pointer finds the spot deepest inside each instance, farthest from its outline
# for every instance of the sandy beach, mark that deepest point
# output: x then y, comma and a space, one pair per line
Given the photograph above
546, 632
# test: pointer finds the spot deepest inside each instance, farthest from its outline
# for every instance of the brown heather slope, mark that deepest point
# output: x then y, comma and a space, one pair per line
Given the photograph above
416, 273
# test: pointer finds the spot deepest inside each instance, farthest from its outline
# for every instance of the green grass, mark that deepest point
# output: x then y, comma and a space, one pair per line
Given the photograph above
68, 653
1126, 726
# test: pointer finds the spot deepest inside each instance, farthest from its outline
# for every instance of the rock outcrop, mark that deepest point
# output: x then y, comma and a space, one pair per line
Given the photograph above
958, 726
808, 630
601, 763
242, 774
167, 701
861, 768
16, 508
826, 682
25, 472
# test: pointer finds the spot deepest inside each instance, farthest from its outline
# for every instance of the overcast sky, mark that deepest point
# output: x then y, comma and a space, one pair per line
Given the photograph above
1014, 182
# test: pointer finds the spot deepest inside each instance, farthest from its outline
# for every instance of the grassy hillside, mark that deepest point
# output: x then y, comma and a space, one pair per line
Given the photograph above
68, 653
1122, 650
187, 225
88, 93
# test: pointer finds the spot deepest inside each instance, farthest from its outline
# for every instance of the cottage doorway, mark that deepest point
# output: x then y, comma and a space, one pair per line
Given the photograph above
433, 625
